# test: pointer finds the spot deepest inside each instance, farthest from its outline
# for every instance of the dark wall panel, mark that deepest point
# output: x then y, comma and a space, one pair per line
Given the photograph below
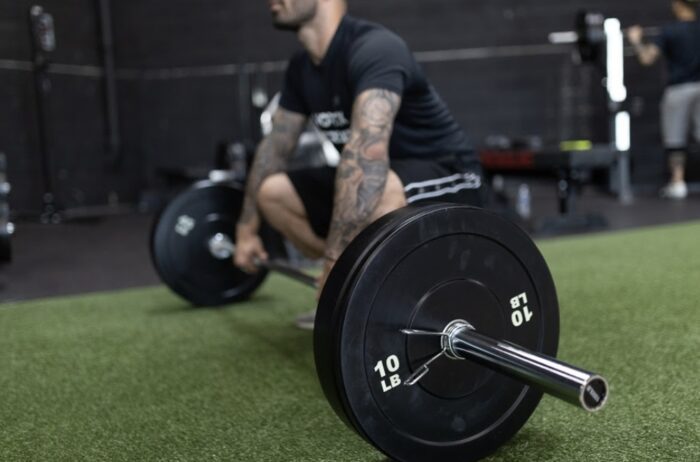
75, 25
81, 171
184, 33
170, 120
519, 104
154, 33
182, 122
79, 163
18, 137
186, 119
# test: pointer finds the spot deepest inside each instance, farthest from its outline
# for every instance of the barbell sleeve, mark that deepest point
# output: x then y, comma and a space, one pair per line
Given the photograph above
569, 383
570, 36
222, 247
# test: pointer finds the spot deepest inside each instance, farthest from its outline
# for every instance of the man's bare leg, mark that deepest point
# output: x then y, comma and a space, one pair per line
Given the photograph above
393, 198
283, 209
676, 188
676, 163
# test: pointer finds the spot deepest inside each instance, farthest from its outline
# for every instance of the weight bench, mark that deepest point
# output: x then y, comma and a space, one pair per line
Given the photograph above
571, 170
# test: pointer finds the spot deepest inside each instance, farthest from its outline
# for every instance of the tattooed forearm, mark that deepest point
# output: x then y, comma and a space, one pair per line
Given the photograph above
363, 169
271, 157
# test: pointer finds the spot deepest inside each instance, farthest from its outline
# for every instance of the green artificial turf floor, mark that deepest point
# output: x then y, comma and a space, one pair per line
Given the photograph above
137, 375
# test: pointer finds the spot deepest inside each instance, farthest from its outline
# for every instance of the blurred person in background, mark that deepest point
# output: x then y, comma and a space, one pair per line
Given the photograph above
679, 44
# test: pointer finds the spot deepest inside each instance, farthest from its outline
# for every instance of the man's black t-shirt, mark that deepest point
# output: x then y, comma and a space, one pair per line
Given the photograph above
680, 44
362, 56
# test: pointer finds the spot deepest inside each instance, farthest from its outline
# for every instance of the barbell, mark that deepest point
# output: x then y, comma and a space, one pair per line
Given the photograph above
222, 247
435, 333
590, 35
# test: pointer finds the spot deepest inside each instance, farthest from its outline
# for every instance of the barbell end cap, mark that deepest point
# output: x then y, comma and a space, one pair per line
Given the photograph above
221, 247
594, 394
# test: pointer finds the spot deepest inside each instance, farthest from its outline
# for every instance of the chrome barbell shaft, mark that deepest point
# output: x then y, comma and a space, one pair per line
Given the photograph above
460, 341
569, 383
222, 248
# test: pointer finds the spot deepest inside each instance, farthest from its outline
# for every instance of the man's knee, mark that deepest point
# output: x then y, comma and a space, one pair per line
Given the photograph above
394, 196
274, 190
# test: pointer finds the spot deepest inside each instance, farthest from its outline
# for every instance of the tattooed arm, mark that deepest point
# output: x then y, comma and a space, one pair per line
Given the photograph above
363, 169
271, 157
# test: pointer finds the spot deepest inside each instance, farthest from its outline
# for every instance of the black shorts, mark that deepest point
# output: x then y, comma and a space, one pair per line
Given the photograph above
449, 179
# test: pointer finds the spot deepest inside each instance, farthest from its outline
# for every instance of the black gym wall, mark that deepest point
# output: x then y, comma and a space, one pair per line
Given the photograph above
183, 69
82, 172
